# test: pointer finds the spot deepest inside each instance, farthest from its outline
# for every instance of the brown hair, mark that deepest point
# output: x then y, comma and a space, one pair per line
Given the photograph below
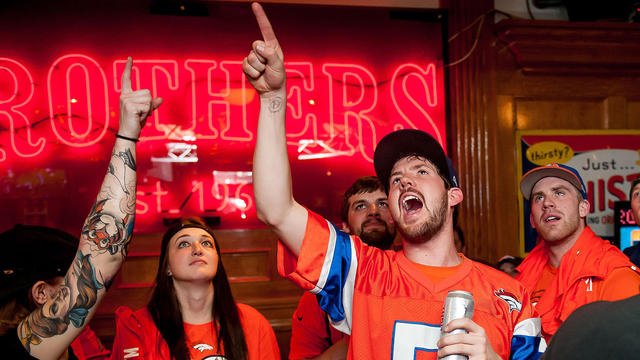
365, 184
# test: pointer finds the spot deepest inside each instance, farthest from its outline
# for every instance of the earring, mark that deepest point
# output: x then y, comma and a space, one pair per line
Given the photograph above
169, 273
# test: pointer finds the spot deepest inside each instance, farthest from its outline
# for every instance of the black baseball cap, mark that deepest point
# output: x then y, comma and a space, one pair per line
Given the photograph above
33, 253
407, 142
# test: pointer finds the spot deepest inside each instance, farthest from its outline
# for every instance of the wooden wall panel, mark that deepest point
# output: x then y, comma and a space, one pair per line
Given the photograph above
566, 48
247, 265
472, 131
633, 114
138, 270
540, 113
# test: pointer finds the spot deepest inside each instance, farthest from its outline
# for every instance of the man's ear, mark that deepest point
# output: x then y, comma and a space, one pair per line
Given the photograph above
533, 224
583, 208
345, 227
39, 292
455, 196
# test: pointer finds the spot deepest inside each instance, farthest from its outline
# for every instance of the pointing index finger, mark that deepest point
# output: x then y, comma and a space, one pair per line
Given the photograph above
268, 35
126, 75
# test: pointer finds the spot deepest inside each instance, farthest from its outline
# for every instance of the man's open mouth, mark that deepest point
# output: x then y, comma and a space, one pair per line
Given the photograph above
411, 203
551, 218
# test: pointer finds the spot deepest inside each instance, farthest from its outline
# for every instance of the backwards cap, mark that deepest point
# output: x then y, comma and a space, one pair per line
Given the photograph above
407, 142
33, 253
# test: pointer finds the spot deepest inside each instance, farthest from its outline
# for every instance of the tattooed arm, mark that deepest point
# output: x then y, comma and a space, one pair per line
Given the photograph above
264, 68
49, 330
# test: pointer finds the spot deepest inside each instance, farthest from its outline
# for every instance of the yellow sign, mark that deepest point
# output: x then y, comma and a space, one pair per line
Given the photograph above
547, 152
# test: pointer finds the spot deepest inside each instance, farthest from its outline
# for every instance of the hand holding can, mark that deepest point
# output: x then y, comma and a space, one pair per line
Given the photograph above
458, 304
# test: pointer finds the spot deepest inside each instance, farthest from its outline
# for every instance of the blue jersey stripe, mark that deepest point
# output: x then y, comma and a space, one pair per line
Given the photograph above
331, 294
525, 347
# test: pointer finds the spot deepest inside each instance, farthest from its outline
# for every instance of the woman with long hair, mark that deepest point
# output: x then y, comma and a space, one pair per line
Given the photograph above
192, 314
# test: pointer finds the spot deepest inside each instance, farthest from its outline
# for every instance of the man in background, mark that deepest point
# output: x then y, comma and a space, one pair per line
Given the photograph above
508, 264
571, 266
633, 252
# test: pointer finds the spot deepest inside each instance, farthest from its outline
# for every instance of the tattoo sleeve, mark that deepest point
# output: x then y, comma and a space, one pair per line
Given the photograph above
109, 225
103, 247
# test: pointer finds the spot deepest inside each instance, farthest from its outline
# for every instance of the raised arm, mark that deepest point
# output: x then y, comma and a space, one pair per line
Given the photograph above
49, 330
264, 68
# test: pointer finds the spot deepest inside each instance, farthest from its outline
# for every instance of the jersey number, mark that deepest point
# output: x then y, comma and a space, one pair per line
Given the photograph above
411, 337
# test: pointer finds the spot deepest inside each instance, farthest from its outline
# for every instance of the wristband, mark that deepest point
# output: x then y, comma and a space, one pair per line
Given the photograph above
126, 138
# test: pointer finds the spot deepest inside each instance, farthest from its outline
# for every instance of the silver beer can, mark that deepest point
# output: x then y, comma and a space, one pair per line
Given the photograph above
458, 304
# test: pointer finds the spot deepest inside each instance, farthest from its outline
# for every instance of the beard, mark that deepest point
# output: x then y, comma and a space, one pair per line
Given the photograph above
382, 239
431, 226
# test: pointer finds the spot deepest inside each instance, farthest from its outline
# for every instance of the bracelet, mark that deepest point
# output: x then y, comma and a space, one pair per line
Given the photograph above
126, 138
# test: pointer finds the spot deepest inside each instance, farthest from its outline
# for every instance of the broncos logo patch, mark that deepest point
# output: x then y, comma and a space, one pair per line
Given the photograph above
203, 347
510, 299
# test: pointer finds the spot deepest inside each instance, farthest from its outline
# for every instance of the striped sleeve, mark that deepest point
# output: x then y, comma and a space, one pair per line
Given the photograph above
527, 341
326, 266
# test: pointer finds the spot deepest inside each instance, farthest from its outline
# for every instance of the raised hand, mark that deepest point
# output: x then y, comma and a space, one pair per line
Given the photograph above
264, 66
135, 106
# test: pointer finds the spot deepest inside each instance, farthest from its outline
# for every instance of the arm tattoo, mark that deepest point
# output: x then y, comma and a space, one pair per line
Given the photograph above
127, 158
128, 162
276, 104
105, 232
54, 317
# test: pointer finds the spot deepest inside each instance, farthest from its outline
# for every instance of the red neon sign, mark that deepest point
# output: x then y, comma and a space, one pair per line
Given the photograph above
204, 196
217, 102
21, 90
335, 110
82, 78
59, 90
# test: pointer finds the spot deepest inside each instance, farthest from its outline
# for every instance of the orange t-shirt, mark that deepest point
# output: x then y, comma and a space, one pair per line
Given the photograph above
201, 340
548, 274
437, 273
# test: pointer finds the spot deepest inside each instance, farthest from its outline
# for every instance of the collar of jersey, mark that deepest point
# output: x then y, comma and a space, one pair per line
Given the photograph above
427, 283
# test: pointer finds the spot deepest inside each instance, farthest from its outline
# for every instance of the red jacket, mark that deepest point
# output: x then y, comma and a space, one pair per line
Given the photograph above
138, 338
581, 277
87, 346
311, 334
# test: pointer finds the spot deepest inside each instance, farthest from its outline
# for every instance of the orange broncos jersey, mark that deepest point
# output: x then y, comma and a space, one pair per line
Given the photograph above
392, 310
137, 337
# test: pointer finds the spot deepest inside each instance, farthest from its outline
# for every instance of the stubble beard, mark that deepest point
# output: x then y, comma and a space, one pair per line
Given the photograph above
430, 226
555, 235
378, 238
